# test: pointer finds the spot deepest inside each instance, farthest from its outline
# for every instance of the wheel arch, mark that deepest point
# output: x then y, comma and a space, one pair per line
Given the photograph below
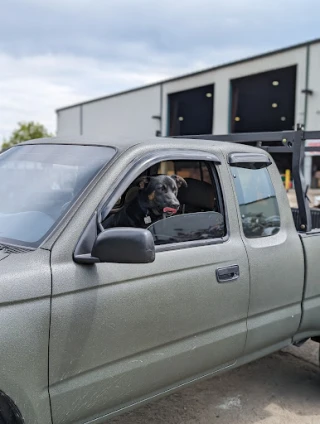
9, 411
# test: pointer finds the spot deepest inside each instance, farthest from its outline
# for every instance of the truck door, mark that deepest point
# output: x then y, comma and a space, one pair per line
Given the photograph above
123, 333
274, 251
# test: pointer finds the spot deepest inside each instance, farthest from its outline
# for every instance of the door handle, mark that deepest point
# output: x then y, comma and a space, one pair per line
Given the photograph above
228, 274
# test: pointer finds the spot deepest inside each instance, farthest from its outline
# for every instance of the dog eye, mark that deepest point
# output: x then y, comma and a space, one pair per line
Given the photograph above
164, 188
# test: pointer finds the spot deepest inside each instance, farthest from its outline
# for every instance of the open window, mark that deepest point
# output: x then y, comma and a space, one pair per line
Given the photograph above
200, 212
199, 217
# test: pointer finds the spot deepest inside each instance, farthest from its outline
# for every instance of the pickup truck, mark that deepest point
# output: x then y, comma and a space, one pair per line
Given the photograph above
95, 321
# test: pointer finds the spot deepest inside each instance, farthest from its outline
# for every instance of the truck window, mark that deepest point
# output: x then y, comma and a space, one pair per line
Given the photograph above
200, 214
39, 183
257, 201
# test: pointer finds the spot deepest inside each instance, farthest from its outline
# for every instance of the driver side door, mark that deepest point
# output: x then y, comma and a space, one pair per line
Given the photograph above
124, 333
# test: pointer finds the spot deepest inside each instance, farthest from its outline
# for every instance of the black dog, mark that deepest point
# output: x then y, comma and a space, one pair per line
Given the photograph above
156, 198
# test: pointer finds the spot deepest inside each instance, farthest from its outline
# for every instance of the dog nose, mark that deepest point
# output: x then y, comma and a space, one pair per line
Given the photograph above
175, 205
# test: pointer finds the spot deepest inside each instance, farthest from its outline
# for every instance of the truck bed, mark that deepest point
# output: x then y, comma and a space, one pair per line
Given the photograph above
315, 216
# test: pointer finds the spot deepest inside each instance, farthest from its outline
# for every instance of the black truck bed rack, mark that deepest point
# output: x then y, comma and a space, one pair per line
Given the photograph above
281, 142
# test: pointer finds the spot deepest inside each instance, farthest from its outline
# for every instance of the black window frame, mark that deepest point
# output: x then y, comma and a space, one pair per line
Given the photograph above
144, 163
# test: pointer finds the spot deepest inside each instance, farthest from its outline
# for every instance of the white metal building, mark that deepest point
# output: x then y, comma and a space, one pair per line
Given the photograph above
270, 92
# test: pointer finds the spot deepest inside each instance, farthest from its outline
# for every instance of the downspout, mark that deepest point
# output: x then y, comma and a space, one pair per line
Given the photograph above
306, 90
81, 119
57, 122
161, 105
159, 117
230, 123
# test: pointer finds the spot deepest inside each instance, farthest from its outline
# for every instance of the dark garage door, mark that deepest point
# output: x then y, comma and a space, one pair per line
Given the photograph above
191, 111
264, 102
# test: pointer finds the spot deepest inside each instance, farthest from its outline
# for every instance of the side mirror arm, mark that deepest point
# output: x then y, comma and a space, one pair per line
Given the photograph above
85, 259
82, 252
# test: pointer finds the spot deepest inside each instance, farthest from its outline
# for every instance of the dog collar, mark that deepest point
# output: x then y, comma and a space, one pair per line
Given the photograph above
147, 219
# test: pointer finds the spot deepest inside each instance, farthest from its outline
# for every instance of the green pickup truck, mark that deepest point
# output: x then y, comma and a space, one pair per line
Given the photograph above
97, 321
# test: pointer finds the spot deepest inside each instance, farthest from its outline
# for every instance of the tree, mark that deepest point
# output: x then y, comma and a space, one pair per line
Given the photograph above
26, 131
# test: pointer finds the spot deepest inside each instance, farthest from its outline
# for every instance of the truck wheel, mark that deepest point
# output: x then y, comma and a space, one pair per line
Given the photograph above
9, 413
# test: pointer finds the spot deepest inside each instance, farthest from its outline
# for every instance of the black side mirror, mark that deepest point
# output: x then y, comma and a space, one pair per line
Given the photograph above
124, 245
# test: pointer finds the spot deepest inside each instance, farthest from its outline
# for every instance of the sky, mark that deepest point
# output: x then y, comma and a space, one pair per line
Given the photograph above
54, 53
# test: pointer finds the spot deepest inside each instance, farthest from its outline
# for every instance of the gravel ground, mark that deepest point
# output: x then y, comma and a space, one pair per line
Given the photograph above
279, 389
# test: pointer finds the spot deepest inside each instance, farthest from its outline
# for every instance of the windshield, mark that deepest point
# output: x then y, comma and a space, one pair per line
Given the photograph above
38, 184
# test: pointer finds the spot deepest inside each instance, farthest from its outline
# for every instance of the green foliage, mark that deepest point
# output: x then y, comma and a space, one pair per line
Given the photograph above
26, 131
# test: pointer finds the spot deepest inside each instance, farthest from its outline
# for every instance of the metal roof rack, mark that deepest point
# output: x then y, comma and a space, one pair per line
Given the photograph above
280, 142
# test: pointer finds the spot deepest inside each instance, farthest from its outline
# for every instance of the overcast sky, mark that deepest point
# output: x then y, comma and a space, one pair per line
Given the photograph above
58, 52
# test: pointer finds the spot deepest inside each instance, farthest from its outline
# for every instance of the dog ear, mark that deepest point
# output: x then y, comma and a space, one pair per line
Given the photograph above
179, 181
143, 182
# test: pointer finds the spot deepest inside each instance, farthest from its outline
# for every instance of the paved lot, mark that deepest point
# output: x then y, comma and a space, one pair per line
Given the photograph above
279, 389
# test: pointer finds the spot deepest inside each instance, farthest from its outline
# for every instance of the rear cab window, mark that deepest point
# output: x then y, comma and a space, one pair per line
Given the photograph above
256, 197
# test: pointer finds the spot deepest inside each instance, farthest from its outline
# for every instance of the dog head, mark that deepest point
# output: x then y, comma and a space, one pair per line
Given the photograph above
159, 193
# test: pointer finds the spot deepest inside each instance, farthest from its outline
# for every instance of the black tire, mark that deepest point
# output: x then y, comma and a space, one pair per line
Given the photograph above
9, 413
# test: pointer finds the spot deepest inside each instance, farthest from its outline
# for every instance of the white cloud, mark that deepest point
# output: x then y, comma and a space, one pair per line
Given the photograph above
30, 90
33, 87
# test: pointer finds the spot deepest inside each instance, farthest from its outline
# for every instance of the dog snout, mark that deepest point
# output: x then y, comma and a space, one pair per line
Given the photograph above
175, 205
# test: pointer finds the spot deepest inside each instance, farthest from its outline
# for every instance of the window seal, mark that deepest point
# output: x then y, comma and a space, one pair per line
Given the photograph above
190, 244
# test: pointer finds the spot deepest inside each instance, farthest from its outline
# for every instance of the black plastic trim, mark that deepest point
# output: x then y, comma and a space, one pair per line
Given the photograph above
85, 259
247, 160
190, 244
82, 252
124, 245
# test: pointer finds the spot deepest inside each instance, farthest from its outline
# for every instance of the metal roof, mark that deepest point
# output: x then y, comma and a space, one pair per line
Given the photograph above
203, 71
